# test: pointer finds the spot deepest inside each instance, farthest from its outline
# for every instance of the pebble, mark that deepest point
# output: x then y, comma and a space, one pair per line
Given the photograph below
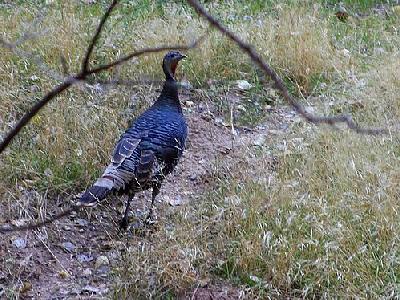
175, 201
243, 84
86, 272
260, 140
68, 247
189, 103
19, 243
84, 258
102, 260
81, 222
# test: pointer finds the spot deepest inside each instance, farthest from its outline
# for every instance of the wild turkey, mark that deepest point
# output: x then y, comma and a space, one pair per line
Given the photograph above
148, 150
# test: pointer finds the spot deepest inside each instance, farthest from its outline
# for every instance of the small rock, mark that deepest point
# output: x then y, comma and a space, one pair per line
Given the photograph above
175, 201
114, 255
260, 140
255, 279
84, 258
19, 243
81, 222
102, 260
189, 103
63, 274
48, 172
186, 85
78, 152
282, 146
90, 290
68, 247
345, 52
241, 108
193, 177
268, 108
396, 10
218, 120
26, 287
309, 109
243, 85
379, 51
207, 116
86, 272
19, 222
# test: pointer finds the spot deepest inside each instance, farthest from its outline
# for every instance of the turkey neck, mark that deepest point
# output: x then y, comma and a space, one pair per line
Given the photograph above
169, 95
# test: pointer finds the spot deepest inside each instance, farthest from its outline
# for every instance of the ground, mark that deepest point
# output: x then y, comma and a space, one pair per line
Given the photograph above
262, 205
77, 259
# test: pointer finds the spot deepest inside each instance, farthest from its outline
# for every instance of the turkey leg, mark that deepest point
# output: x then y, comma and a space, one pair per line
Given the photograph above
123, 224
156, 190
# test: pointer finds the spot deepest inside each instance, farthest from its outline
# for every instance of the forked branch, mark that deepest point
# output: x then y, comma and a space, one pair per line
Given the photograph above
83, 74
256, 58
32, 226
86, 71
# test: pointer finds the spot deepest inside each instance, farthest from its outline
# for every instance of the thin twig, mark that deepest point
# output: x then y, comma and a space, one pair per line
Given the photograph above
30, 32
256, 58
80, 77
30, 56
64, 65
67, 212
125, 82
43, 242
145, 51
33, 111
52, 253
85, 63
68, 82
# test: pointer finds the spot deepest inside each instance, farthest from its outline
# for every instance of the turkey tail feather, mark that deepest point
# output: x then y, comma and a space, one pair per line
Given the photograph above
144, 169
99, 191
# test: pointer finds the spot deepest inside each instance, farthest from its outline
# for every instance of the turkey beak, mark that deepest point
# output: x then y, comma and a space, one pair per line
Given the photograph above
181, 57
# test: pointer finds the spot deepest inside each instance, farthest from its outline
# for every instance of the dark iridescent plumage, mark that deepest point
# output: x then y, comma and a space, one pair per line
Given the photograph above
148, 150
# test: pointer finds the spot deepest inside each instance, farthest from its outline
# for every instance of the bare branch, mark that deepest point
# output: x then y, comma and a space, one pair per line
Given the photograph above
144, 51
85, 63
126, 82
64, 65
32, 226
79, 77
256, 58
27, 55
30, 32
33, 111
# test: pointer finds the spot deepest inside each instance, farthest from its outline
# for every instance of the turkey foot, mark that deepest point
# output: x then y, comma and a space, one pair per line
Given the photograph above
150, 219
123, 223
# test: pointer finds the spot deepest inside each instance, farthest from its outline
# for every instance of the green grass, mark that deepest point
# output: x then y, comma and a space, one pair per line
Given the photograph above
323, 225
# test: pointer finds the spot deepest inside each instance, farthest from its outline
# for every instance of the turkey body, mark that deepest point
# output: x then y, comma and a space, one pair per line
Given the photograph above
148, 151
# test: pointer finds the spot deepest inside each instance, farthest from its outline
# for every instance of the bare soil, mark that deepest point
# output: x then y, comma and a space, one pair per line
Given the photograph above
73, 258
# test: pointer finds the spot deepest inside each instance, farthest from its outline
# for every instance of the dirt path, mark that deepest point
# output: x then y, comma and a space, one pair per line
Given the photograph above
73, 258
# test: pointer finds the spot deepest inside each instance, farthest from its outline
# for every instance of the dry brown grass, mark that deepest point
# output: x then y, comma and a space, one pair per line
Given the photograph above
324, 224
75, 116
